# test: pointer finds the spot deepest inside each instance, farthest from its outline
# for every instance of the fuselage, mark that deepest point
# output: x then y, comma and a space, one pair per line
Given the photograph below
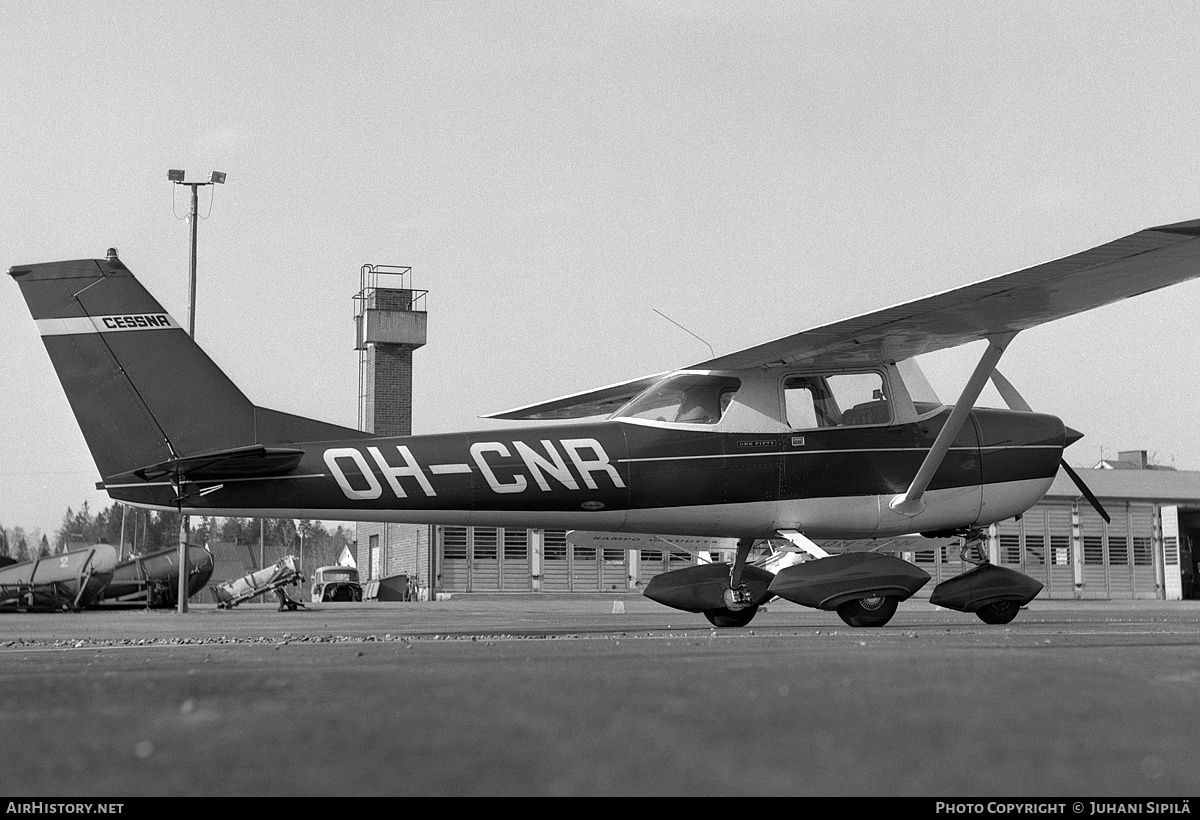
637, 476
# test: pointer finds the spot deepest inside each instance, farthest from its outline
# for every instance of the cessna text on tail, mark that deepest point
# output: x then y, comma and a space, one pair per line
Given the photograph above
830, 433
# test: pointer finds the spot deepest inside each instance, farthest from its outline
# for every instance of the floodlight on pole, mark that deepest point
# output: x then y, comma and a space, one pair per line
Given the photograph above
214, 178
177, 177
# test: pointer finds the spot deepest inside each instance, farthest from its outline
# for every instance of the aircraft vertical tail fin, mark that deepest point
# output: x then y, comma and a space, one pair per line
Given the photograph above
141, 389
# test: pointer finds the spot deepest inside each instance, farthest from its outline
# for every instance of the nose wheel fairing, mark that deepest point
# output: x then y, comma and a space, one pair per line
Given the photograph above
987, 590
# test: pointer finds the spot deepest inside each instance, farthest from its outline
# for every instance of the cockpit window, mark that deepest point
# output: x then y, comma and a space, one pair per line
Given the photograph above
684, 399
836, 400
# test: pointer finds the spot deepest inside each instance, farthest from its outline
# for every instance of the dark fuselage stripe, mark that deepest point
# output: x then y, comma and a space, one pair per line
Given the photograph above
764, 453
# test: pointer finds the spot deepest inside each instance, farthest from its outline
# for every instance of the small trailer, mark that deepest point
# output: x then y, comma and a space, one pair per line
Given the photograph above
269, 579
153, 578
67, 581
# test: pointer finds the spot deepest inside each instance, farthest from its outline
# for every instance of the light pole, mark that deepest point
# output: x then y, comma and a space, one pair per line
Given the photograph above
214, 178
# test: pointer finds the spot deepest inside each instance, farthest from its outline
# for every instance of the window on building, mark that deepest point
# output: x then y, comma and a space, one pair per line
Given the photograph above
1143, 554
554, 545
516, 545
1010, 549
1035, 548
1118, 550
454, 543
937, 555
679, 557
373, 555
485, 543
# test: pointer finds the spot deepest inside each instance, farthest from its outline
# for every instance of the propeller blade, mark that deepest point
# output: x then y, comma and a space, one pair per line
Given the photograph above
1083, 488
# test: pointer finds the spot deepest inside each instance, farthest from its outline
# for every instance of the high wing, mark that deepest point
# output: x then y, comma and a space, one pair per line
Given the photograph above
600, 401
1139, 263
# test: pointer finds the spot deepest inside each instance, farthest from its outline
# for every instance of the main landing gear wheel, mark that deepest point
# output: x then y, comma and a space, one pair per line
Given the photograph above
874, 611
730, 617
1000, 612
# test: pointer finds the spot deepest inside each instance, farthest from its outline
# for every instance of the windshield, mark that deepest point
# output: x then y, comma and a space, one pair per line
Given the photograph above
335, 576
683, 399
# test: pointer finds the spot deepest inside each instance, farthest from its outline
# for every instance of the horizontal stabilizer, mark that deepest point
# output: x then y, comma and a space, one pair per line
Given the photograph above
253, 461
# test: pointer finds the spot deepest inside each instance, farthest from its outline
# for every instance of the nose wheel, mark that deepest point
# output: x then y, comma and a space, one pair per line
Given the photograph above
1000, 612
739, 608
730, 617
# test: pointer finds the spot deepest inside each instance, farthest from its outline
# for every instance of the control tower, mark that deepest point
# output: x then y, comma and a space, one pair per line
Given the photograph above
390, 321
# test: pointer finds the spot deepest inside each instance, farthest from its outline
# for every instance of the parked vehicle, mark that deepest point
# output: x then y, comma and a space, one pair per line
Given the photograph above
336, 584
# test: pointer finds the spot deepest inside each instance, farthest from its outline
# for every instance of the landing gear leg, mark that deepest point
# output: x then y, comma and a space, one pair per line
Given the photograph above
974, 551
974, 547
738, 611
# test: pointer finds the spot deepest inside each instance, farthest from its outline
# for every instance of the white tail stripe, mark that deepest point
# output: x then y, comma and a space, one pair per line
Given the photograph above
115, 323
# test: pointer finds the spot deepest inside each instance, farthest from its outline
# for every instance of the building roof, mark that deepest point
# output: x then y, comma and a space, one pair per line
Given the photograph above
1167, 486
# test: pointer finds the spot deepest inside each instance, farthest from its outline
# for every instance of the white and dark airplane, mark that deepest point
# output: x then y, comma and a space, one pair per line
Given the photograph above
830, 433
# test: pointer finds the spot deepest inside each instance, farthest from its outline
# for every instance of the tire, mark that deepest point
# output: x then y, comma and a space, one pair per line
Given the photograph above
873, 611
1000, 612
730, 617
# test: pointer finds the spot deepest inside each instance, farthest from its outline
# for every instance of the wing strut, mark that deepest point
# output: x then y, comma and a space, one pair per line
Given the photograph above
912, 501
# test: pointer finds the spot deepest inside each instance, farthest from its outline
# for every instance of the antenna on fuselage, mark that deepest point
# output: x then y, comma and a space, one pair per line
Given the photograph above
685, 330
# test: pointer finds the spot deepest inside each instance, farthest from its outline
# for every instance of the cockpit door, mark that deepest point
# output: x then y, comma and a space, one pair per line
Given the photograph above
752, 475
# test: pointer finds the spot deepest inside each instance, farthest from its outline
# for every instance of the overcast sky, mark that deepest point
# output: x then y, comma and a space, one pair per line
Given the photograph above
556, 172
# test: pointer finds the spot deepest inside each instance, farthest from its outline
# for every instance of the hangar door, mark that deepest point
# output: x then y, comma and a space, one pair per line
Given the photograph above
484, 559
1181, 551
570, 568
503, 559
1075, 554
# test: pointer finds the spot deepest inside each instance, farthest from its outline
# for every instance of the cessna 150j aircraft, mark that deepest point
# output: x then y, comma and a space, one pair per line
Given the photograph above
831, 433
